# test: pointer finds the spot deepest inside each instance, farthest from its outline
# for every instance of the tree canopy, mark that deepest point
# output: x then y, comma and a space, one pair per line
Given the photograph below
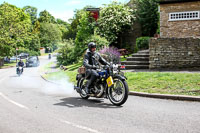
114, 18
148, 16
15, 27
32, 11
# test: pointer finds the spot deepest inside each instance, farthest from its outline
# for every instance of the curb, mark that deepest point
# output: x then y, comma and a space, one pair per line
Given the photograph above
166, 96
48, 80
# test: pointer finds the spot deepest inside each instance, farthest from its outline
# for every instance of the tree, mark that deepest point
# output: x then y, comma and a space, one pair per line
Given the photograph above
14, 28
46, 17
60, 21
114, 19
32, 11
50, 34
75, 22
148, 16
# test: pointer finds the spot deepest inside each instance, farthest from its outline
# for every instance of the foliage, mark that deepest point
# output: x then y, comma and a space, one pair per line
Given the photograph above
115, 18
30, 52
65, 53
147, 16
49, 34
100, 41
111, 54
15, 27
60, 21
74, 23
85, 30
142, 43
46, 17
32, 11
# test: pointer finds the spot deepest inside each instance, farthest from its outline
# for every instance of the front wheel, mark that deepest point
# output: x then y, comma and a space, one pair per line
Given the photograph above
82, 84
118, 93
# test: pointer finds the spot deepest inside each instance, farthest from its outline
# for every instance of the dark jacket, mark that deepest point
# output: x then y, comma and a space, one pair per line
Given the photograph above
20, 64
91, 61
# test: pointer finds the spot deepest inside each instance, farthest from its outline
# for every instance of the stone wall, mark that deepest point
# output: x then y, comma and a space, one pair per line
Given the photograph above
174, 53
179, 29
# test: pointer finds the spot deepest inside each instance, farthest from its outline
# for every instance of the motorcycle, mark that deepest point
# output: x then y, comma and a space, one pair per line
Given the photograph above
49, 56
110, 84
19, 70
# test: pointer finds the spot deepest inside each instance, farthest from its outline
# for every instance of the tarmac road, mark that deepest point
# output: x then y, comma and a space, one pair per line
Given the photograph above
29, 104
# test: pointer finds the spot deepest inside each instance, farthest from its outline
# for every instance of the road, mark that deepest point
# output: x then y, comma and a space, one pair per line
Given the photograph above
29, 104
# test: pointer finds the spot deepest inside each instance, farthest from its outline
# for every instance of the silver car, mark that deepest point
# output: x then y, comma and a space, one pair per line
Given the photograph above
32, 61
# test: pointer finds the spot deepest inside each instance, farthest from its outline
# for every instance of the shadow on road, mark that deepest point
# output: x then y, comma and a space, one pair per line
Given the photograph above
73, 102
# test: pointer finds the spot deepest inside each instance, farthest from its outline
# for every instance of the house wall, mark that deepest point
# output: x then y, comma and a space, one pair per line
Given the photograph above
179, 29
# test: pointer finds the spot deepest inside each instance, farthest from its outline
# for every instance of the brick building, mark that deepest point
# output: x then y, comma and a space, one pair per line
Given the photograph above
180, 18
179, 43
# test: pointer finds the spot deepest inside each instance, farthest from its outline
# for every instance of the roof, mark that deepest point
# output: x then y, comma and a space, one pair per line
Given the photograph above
175, 1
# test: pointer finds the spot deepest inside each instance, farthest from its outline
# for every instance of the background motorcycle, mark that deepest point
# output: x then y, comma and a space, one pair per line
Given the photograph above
111, 84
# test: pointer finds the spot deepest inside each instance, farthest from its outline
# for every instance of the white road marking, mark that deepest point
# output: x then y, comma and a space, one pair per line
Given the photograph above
70, 105
13, 102
81, 127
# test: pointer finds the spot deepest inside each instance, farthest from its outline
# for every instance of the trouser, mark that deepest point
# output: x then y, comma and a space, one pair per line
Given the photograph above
93, 76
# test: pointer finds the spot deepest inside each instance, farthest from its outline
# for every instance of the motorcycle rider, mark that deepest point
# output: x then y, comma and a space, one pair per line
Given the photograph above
91, 62
20, 63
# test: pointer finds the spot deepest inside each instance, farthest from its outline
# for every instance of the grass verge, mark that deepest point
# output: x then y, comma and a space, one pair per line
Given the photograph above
164, 82
7, 65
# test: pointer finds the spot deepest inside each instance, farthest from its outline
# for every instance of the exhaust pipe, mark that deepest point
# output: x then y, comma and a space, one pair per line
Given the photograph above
78, 89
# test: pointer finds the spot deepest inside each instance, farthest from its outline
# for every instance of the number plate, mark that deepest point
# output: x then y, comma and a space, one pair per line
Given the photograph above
109, 81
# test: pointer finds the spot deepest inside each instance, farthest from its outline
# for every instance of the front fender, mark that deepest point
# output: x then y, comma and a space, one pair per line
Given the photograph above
120, 77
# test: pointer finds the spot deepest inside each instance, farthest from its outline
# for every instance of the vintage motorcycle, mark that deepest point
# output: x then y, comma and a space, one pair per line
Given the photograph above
111, 84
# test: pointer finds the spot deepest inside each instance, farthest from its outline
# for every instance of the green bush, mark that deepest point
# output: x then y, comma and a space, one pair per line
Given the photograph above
30, 52
66, 53
142, 43
100, 41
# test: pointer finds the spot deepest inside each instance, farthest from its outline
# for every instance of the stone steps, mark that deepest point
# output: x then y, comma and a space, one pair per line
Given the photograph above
135, 62
138, 60
136, 67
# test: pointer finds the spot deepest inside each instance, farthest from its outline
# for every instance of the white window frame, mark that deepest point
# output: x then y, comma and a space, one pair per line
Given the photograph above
189, 15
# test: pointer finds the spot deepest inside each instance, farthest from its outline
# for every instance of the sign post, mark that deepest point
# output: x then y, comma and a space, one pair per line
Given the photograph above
94, 12
16, 54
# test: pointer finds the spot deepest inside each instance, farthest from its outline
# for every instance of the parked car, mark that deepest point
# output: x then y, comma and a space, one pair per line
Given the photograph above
13, 58
32, 61
10, 59
23, 55
6, 59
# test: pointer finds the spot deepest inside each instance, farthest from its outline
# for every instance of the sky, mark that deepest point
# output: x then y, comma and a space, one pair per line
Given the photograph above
63, 9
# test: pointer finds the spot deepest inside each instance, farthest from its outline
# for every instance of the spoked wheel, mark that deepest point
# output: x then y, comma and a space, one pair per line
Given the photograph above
118, 93
82, 84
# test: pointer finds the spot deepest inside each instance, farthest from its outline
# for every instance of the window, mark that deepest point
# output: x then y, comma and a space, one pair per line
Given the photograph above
191, 15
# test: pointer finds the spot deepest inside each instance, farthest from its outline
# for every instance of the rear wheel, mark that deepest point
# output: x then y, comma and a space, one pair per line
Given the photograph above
118, 93
82, 84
